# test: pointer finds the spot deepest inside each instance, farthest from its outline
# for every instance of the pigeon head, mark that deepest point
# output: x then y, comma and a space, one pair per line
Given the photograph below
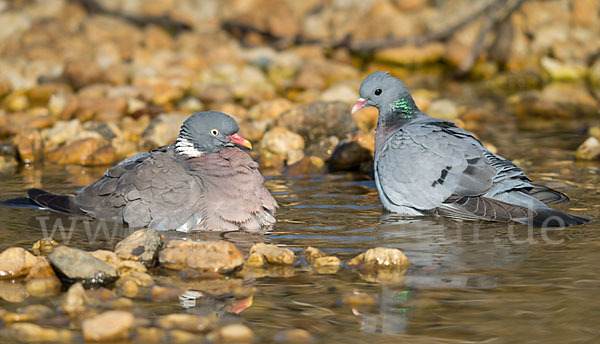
388, 95
208, 132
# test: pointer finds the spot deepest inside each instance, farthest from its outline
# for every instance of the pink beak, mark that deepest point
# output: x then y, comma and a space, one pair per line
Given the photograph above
239, 140
360, 103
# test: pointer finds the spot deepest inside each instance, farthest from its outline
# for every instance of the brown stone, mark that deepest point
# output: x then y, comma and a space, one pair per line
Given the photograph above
15, 262
31, 333
274, 254
163, 293
75, 300
236, 333
312, 253
217, 256
588, 150
108, 326
187, 322
79, 73
141, 245
86, 151
412, 55
44, 246
12, 291
30, 146
380, 257
43, 92
295, 335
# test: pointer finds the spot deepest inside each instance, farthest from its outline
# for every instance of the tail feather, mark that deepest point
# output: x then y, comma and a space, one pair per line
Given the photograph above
547, 195
552, 218
61, 203
20, 202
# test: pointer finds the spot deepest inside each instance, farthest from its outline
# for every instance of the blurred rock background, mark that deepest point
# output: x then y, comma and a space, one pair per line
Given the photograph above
87, 82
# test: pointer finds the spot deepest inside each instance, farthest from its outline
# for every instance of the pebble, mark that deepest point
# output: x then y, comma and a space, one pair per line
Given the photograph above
280, 141
44, 247
443, 109
86, 151
77, 265
326, 265
150, 335
15, 262
41, 279
380, 257
215, 256
108, 326
312, 253
32, 333
13, 291
236, 333
30, 146
142, 245
273, 254
295, 335
412, 55
349, 155
588, 150
164, 293
187, 322
75, 301
161, 131
318, 120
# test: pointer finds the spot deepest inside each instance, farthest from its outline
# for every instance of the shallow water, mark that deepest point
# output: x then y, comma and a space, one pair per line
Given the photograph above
468, 281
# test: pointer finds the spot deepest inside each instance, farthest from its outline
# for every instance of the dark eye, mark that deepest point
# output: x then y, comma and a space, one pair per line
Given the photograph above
214, 132
378, 91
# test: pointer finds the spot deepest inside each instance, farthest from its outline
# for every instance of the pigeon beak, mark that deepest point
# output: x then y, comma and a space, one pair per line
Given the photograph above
240, 141
360, 103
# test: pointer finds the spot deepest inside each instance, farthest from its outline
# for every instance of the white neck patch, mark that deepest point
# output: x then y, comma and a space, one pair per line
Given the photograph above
185, 147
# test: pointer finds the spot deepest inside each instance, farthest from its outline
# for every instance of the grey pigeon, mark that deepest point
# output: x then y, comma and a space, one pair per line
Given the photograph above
428, 166
201, 182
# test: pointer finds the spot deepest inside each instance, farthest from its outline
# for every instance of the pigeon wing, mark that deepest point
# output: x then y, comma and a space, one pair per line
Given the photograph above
423, 164
151, 190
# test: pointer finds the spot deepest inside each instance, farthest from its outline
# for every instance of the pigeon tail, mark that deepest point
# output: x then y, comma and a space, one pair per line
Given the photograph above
20, 202
547, 217
61, 203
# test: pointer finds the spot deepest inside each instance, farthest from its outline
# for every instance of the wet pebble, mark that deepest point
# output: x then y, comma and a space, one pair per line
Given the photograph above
44, 246
142, 245
326, 265
357, 298
164, 293
74, 265
75, 300
236, 333
15, 262
187, 322
108, 326
42, 280
312, 253
380, 257
150, 335
273, 254
295, 335
216, 256
13, 291
32, 333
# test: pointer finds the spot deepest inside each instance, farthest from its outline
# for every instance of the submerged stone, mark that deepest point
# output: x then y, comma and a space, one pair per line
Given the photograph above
74, 265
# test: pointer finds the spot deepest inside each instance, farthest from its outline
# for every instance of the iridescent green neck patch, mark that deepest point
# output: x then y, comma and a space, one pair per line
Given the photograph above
404, 107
